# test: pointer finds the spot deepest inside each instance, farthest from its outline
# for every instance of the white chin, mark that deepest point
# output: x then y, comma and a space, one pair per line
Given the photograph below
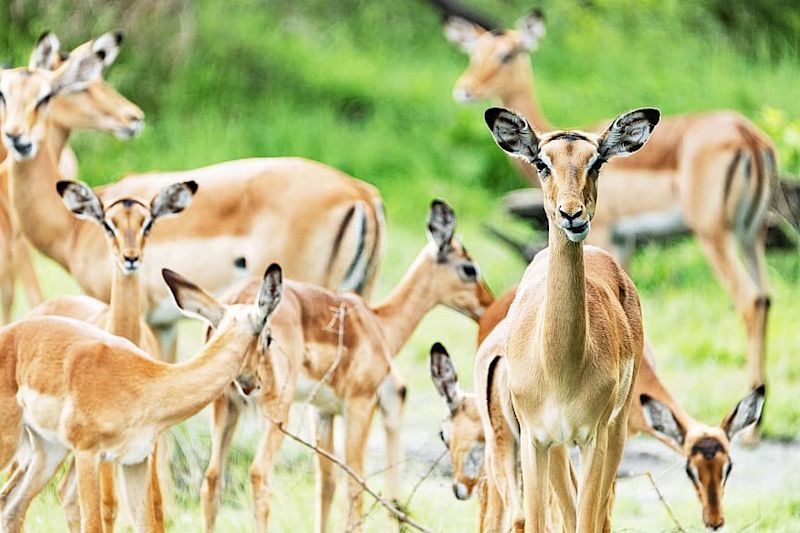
578, 237
461, 96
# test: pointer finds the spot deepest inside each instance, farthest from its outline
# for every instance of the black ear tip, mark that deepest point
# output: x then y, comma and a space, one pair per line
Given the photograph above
761, 390
537, 12
438, 349
169, 275
491, 114
62, 185
274, 270
45, 34
119, 36
652, 114
191, 185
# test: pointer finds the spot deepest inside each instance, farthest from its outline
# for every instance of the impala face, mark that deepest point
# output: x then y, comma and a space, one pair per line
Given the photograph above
498, 60
73, 95
127, 222
461, 432
707, 448
569, 162
458, 283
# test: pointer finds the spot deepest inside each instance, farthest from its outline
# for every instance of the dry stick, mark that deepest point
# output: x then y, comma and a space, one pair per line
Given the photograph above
423, 478
400, 515
672, 516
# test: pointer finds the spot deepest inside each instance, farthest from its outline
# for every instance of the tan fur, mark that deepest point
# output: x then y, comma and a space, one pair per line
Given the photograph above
692, 163
305, 332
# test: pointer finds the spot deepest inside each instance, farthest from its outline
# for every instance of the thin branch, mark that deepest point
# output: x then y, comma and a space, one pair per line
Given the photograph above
423, 478
402, 517
661, 497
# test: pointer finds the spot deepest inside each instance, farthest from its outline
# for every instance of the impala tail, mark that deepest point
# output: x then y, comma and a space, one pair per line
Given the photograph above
366, 222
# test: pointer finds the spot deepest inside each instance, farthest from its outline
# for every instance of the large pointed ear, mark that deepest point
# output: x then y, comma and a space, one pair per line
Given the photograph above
531, 29
107, 46
78, 71
193, 300
81, 200
443, 374
628, 132
172, 199
462, 33
660, 418
441, 227
746, 412
45, 54
270, 294
512, 133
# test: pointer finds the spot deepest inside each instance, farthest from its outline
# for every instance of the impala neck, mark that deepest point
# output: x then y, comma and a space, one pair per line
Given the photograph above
44, 219
188, 387
518, 95
564, 323
415, 295
125, 307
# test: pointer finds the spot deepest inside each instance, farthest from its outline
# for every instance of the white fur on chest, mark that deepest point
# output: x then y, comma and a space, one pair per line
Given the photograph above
324, 397
554, 424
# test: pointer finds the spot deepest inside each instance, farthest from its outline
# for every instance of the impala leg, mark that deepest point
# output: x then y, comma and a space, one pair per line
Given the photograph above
7, 296
504, 478
86, 468
264, 460
490, 517
562, 480
590, 500
68, 494
155, 488
535, 487
617, 433
139, 494
108, 495
391, 399
24, 268
325, 473
358, 416
167, 338
224, 418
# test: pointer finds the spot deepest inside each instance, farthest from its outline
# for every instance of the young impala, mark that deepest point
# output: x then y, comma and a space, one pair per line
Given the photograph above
127, 223
100, 109
324, 226
574, 328
711, 172
335, 351
69, 386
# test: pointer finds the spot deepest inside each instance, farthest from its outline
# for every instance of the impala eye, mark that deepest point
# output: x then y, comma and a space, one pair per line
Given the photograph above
507, 57
542, 167
44, 100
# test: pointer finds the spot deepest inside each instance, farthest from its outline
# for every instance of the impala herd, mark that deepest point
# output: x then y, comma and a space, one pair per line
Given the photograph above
562, 360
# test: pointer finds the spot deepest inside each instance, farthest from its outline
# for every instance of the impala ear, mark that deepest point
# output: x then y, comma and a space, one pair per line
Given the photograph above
747, 412
441, 227
193, 300
628, 132
443, 374
173, 199
81, 200
512, 133
661, 419
531, 28
270, 294
107, 46
462, 32
45, 54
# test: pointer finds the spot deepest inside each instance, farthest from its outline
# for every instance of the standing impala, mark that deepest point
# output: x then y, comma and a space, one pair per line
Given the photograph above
71, 387
101, 109
575, 326
322, 225
127, 223
335, 351
711, 172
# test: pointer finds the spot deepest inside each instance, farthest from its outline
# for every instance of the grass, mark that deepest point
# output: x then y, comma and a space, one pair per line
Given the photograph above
365, 87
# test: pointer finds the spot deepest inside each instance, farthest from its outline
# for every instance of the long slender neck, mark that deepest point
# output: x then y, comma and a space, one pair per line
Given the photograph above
125, 307
401, 312
564, 324
42, 216
519, 95
185, 388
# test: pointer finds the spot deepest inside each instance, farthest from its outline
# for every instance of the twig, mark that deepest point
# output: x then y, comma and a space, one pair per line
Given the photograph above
663, 500
423, 478
402, 517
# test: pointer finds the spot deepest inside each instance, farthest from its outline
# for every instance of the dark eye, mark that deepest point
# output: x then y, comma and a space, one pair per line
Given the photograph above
507, 57
44, 100
542, 167
690, 473
468, 271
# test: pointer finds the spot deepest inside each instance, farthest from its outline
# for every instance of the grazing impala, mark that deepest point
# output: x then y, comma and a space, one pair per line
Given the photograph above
706, 448
71, 387
575, 327
99, 109
322, 225
711, 172
127, 223
335, 351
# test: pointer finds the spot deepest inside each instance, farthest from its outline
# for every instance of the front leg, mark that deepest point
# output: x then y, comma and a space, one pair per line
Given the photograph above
358, 416
535, 487
86, 468
108, 495
391, 399
224, 418
138, 490
269, 447
591, 500
326, 475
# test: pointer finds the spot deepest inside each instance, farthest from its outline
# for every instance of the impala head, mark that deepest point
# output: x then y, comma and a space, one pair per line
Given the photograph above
498, 60
458, 282
707, 448
461, 432
569, 162
127, 221
247, 319
73, 95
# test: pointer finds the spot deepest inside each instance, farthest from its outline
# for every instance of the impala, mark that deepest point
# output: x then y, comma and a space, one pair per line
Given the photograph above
711, 172
322, 225
335, 351
705, 448
69, 386
575, 326
127, 223
102, 109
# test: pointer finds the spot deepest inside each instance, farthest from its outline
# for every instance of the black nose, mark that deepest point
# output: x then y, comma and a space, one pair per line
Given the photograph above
13, 138
572, 216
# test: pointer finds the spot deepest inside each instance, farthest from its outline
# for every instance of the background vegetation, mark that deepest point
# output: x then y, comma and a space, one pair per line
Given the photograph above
365, 86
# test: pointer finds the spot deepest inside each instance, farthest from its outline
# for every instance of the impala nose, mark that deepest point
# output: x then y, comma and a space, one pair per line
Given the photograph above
570, 216
131, 262
460, 490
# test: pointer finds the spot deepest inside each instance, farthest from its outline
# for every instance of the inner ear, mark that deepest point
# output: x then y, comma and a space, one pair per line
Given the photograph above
173, 199
441, 227
45, 53
81, 200
661, 419
512, 133
462, 33
628, 132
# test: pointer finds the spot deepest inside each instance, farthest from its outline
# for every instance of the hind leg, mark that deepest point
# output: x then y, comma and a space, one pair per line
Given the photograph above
224, 419
391, 399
